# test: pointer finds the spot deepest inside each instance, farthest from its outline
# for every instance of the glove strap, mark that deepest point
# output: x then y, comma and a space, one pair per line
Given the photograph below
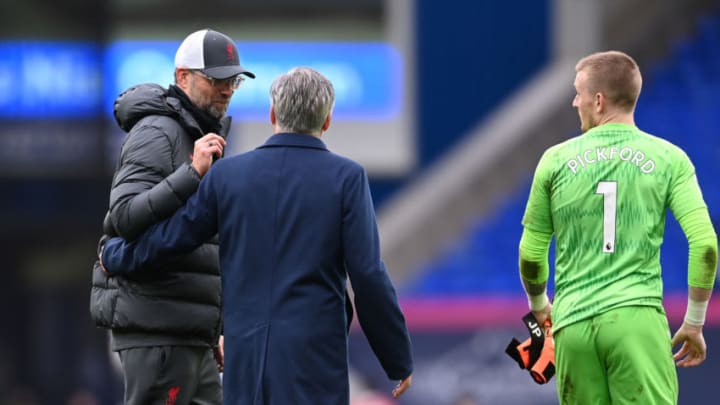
512, 351
537, 337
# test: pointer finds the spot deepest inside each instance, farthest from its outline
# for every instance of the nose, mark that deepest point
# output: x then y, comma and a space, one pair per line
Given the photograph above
225, 90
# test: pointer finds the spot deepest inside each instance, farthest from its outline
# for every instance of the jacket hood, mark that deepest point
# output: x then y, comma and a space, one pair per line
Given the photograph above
142, 100
145, 99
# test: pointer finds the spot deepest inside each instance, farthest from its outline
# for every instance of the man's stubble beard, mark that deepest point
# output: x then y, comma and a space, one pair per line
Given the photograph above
215, 111
586, 124
199, 99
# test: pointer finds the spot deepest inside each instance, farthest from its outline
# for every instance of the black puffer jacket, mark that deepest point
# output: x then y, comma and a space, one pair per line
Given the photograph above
178, 301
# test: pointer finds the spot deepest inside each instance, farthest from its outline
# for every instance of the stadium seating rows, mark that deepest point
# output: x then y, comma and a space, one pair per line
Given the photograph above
678, 103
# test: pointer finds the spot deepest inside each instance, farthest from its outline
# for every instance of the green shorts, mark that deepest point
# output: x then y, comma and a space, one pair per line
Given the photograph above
623, 356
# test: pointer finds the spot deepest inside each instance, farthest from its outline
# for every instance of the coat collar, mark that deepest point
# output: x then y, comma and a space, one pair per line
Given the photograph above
294, 139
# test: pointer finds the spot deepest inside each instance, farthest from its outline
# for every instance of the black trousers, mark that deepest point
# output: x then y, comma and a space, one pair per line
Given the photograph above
171, 375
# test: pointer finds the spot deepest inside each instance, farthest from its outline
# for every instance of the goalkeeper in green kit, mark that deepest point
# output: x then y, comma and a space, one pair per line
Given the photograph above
604, 196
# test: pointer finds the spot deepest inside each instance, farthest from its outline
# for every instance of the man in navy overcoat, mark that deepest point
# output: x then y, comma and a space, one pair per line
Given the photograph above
293, 220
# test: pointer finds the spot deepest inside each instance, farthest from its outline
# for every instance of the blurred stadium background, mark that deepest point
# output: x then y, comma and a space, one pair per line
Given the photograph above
448, 104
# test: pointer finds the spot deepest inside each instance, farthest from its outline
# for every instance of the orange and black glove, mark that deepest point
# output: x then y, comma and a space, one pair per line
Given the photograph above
537, 353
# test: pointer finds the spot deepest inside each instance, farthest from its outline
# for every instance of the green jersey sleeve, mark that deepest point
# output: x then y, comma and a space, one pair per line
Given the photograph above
685, 195
686, 202
538, 216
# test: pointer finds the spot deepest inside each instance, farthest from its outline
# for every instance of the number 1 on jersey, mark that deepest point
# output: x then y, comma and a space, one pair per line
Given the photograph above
609, 191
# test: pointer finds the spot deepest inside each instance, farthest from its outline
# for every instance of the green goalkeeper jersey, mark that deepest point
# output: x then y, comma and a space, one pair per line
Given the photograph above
604, 196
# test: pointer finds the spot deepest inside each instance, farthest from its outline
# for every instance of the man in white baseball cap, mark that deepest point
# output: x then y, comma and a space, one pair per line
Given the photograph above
214, 57
167, 327
211, 52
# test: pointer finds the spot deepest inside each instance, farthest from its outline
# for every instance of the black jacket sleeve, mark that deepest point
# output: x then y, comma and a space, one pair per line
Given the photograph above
147, 188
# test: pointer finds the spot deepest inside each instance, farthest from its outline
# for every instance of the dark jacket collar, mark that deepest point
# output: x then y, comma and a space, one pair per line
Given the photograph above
294, 139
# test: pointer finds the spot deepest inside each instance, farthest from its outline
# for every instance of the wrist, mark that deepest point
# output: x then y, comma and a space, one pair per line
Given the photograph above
538, 302
695, 313
194, 171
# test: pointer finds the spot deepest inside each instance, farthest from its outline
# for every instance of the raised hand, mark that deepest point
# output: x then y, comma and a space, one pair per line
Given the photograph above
207, 147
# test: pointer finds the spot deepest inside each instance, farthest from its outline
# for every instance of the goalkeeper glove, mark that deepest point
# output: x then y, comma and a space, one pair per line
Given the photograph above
537, 353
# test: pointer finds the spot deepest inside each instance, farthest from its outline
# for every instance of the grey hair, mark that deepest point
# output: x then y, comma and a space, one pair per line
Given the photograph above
302, 99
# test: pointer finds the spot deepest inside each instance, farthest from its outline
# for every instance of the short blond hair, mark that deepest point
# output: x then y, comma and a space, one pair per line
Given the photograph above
614, 74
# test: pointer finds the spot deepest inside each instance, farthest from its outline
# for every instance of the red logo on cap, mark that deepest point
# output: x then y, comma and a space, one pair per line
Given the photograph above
230, 52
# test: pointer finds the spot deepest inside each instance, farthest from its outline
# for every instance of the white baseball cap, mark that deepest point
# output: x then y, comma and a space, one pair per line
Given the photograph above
211, 52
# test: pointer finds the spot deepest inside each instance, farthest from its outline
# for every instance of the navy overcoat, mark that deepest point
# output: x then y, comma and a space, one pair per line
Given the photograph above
293, 220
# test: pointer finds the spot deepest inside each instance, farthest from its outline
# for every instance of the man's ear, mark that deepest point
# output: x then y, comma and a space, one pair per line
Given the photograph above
182, 77
599, 102
326, 124
273, 119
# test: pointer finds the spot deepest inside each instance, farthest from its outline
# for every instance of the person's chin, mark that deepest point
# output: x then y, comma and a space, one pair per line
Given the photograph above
585, 126
218, 111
